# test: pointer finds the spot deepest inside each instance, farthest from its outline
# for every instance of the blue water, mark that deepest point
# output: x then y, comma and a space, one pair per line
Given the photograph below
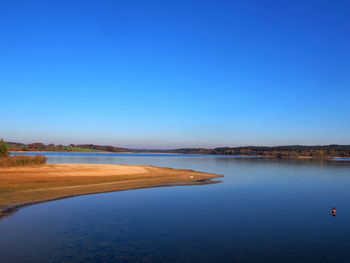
264, 211
341, 159
102, 154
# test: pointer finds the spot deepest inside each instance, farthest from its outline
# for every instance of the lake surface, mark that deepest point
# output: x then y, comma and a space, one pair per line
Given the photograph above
263, 211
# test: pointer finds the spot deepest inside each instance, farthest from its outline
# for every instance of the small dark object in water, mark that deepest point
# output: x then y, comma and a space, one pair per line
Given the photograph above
334, 211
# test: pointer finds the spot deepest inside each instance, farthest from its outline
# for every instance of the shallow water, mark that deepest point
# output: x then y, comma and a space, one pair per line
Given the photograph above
264, 211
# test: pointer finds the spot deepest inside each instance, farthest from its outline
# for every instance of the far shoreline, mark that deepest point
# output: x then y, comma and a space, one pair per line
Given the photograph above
94, 152
324, 158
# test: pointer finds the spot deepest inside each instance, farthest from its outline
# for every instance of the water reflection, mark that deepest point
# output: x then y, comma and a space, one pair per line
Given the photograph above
265, 211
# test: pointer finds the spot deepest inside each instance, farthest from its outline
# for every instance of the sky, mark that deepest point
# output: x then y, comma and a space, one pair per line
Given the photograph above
173, 74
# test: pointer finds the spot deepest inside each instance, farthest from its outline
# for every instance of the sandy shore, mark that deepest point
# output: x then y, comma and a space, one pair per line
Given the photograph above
24, 186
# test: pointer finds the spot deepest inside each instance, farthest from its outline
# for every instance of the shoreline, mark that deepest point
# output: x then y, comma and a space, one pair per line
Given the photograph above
65, 152
21, 187
226, 155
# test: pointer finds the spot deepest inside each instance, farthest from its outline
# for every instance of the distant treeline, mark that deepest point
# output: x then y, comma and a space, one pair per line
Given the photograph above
293, 151
38, 146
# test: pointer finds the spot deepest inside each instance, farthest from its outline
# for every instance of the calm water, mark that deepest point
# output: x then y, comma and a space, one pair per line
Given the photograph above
264, 211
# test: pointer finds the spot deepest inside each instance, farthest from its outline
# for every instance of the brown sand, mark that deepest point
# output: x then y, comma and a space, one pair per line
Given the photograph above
23, 186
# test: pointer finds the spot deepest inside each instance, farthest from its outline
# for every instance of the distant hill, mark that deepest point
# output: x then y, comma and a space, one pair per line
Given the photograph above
289, 151
15, 146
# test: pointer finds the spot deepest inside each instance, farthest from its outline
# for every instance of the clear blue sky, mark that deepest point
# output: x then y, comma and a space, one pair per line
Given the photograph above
166, 74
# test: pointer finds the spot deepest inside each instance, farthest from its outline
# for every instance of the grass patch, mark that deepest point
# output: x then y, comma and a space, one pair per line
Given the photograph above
22, 160
79, 149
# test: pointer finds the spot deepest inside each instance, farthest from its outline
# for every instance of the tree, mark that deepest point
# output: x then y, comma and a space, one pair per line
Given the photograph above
36, 146
4, 150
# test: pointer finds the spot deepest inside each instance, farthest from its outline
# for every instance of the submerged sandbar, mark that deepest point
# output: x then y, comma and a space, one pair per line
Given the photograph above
27, 185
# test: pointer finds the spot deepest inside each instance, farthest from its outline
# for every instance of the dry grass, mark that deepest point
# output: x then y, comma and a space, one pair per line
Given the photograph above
22, 160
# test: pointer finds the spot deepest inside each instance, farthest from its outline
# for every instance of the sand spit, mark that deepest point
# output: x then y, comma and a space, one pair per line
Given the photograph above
21, 187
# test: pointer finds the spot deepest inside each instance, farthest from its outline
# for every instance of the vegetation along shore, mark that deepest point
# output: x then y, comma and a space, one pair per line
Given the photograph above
279, 152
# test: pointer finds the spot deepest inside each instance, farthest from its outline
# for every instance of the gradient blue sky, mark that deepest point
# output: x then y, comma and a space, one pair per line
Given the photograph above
167, 74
